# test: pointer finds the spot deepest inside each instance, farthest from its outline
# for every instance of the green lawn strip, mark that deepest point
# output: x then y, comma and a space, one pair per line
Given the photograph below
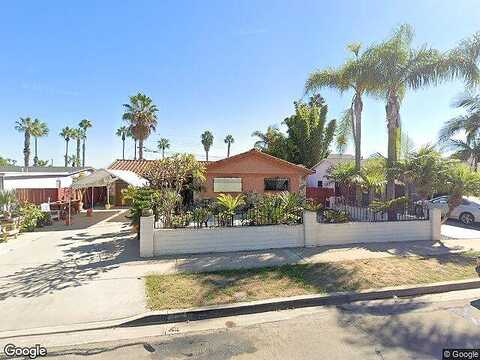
187, 290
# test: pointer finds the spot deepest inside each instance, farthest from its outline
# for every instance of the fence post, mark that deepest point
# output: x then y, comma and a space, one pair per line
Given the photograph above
146, 236
436, 223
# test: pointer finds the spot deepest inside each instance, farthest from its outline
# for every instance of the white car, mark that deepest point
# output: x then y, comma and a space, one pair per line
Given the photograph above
467, 212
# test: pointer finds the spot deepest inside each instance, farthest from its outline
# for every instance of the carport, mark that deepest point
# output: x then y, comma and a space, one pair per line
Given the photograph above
105, 178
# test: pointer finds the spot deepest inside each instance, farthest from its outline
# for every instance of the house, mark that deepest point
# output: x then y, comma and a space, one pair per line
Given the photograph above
251, 171
319, 179
38, 184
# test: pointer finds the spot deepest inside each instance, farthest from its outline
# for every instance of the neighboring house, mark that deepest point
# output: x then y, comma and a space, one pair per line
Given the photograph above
38, 184
319, 179
251, 171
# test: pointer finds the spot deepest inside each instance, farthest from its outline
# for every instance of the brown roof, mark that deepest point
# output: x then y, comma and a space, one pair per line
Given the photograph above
137, 166
140, 166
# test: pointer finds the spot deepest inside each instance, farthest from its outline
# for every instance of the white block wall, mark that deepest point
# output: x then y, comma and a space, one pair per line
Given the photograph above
156, 242
184, 241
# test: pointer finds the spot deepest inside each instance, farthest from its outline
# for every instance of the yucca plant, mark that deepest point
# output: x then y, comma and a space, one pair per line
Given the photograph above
229, 205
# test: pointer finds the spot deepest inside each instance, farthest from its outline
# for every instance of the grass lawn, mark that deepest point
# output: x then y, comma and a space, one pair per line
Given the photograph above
221, 287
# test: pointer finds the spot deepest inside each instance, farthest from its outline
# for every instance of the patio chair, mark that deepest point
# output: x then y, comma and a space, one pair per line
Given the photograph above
54, 214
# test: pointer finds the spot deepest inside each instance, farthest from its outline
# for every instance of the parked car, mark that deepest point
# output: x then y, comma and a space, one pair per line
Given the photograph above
467, 212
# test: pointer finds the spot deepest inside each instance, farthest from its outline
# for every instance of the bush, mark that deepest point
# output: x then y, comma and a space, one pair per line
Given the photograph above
334, 216
30, 216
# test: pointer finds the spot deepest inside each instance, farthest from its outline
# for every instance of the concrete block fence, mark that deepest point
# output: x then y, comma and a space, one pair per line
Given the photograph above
158, 242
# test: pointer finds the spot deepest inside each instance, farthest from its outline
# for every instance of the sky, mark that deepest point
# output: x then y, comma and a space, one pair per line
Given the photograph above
231, 67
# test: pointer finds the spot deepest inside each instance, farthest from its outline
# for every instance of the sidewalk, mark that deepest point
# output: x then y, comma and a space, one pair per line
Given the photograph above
276, 257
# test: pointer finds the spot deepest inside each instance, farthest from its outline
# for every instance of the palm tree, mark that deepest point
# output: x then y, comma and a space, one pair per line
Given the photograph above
66, 133
267, 138
468, 151
122, 132
229, 140
84, 125
207, 141
39, 129
469, 123
79, 135
26, 126
141, 113
395, 67
163, 144
353, 75
130, 135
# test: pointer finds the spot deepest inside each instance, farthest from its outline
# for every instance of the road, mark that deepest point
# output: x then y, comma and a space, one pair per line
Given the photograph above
395, 329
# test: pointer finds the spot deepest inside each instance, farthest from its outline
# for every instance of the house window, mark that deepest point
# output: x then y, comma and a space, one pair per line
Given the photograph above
320, 183
227, 184
276, 184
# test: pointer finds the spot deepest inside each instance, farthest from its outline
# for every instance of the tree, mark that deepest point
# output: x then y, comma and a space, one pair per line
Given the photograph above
163, 144
174, 172
308, 137
77, 134
207, 141
26, 126
85, 124
468, 151
309, 133
42, 163
66, 134
130, 135
141, 114
272, 142
354, 76
229, 140
39, 129
122, 132
395, 67
7, 162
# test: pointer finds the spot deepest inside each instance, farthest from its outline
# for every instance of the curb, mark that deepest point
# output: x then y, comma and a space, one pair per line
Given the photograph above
253, 307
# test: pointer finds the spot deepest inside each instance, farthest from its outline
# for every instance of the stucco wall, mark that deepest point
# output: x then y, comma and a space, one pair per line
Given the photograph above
180, 241
156, 242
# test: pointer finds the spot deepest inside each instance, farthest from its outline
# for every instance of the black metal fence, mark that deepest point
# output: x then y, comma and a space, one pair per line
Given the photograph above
203, 218
380, 211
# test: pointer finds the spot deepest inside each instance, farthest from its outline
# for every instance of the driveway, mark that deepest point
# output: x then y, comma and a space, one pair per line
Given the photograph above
62, 276
456, 230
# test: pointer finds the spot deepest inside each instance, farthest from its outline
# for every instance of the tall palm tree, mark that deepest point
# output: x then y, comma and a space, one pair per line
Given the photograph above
141, 113
84, 125
267, 138
26, 126
66, 133
163, 144
469, 123
130, 135
79, 135
207, 141
396, 67
353, 75
229, 140
122, 132
39, 129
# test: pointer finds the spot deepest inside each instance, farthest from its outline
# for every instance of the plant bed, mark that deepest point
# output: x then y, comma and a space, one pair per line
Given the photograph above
187, 290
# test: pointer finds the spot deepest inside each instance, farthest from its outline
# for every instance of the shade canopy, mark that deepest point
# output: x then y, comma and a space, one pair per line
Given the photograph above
105, 177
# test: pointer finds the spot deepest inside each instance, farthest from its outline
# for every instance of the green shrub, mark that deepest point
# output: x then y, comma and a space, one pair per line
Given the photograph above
335, 216
30, 215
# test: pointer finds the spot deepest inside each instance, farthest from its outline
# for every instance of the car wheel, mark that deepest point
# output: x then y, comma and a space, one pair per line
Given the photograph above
466, 218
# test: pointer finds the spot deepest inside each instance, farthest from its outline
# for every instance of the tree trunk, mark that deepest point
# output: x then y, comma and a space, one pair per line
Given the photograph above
163, 153
206, 155
35, 158
26, 149
140, 149
66, 153
77, 160
123, 149
357, 111
83, 153
228, 150
135, 149
393, 124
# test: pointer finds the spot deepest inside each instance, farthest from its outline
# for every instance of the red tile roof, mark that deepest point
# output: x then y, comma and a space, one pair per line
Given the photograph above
140, 166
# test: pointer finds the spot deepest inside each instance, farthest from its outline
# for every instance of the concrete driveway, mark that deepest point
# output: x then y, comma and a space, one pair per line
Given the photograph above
61, 276
456, 230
